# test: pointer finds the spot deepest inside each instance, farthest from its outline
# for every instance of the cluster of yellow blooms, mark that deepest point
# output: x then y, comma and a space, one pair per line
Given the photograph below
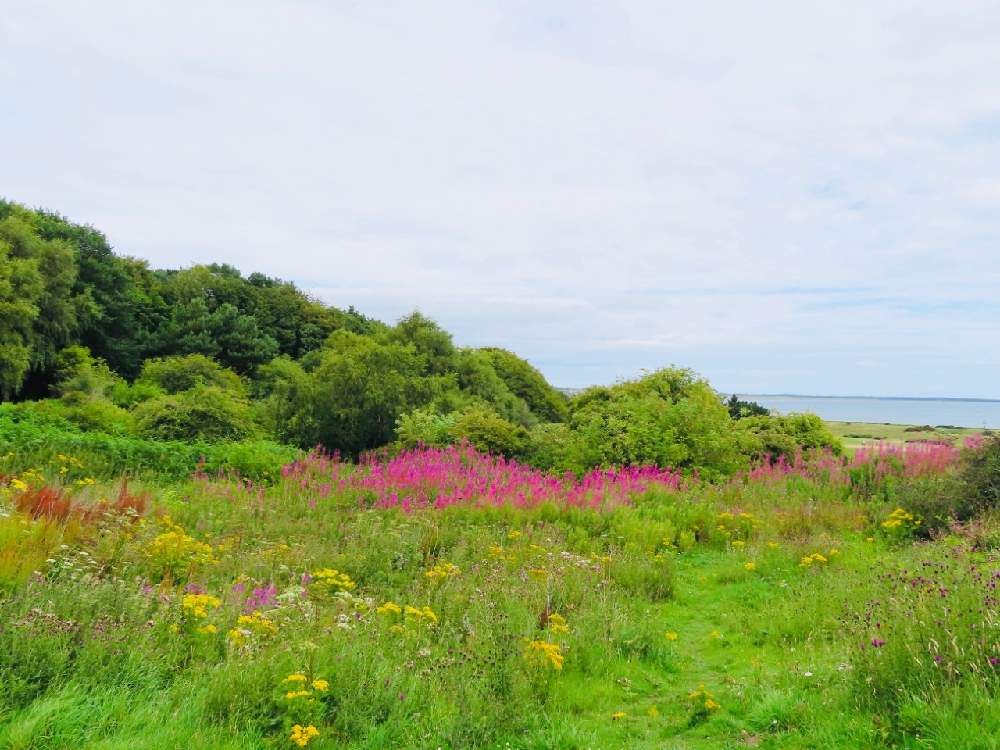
818, 558
175, 548
332, 579
302, 735
249, 625
557, 623
408, 613
703, 701
442, 571
900, 518
197, 605
300, 686
544, 654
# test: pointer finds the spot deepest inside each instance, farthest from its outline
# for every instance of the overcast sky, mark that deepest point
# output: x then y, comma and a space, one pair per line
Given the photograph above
786, 196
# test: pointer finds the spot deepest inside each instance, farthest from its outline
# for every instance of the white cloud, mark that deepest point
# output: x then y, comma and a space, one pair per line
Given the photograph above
602, 188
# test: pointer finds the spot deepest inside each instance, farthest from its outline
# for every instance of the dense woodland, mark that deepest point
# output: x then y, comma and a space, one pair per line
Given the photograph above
102, 342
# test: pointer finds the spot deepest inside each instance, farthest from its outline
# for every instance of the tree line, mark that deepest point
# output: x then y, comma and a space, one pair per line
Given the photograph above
106, 343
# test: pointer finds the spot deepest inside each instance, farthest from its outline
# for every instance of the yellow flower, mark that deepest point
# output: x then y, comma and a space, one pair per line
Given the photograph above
441, 571
298, 677
302, 735
711, 705
543, 652
617, 715
238, 637
715, 635
750, 565
331, 578
293, 694
207, 629
670, 635
513, 534
537, 572
738, 543
321, 685
389, 608
197, 605
772, 545
653, 712
557, 623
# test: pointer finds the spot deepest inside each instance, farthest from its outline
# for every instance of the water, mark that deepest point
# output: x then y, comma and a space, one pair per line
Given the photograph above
918, 411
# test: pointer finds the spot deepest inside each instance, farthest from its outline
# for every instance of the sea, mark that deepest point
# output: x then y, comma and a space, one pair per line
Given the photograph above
936, 412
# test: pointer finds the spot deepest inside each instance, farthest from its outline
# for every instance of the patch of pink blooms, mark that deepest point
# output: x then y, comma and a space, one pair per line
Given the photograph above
883, 459
460, 475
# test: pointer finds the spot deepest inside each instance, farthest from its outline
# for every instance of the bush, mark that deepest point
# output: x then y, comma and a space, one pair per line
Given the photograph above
785, 436
202, 413
489, 432
37, 438
176, 374
980, 476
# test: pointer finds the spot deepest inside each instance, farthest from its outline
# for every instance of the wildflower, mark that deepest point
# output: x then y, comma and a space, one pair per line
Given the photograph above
238, 637
773, 545
877, 643
653, 712
750, 565
671, 635
302, 735
298, 677
197, 605
537, 573
617, 716
557, 623
321, 685
711, 705
389, 608
513, 534
739, 543
293, 694
442, 571
209, 629
715, 635
257, 623
545, 653
330, 578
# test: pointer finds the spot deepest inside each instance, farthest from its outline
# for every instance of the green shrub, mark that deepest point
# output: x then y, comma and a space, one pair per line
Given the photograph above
203, 413
784, 436
176, 374
36, 438
980, 476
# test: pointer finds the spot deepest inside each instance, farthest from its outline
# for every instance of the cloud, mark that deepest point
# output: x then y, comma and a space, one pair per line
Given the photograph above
770, 193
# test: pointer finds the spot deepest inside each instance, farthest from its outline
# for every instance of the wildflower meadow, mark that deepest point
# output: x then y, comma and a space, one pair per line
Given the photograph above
447, 598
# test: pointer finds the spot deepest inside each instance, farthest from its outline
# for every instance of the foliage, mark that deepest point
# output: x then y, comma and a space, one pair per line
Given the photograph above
786, 435
173, 375
739, 409
35, 437
526, 382
205, 412
667, 418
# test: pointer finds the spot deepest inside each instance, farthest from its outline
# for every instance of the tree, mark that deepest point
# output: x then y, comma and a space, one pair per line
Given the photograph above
526, 382
37, 304
357, 388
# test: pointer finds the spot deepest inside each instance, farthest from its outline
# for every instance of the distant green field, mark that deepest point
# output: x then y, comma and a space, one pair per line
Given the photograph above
855, 434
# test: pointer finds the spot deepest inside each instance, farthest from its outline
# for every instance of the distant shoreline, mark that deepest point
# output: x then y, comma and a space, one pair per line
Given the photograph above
876, 398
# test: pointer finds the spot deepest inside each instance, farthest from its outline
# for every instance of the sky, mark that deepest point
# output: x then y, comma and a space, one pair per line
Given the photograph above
786, 197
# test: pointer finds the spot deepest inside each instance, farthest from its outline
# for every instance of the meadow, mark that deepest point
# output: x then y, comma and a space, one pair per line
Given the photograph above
856, 434
446, 598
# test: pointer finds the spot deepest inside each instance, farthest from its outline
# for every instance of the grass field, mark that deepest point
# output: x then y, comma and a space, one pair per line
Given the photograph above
856, 434
388, 606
